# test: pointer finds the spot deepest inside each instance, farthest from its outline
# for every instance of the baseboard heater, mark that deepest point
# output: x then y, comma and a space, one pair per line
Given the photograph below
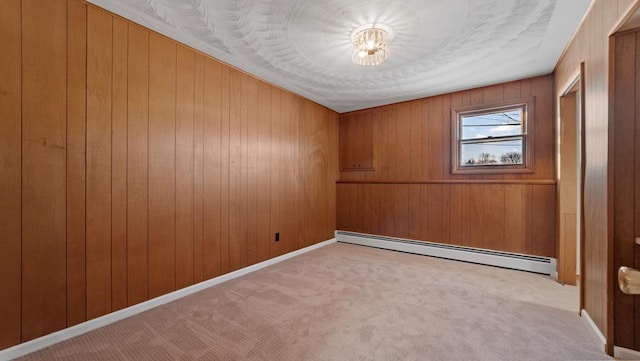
542, 265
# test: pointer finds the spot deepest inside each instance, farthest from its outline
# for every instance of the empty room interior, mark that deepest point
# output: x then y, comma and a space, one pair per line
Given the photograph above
319, 180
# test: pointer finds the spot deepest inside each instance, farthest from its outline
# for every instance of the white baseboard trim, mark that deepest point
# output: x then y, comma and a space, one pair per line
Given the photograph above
67, 333
621, 353
592, 325
543, 265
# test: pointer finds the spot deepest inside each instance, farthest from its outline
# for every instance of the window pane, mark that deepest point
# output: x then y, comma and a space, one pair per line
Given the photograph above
495, 124
507, 152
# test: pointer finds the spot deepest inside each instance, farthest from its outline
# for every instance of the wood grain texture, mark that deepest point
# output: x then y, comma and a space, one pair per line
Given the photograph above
412, 146
290, 182
453, 213
412, 140
263, 176
235, 134
76, 161
251, 217
434, 207
224, 170
494, 204
10, 161
589, 45
356, 142
567, 189
415, 143
275, 248
44, 37
544, 220
513, 219
137, 165
185, 103
243, 197
624, 137
198, 169
162, 165
212, 168
166, 151
119, 166
636, 223
99, 150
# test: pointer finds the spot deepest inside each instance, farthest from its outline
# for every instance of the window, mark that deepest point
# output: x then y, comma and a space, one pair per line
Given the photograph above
491, 139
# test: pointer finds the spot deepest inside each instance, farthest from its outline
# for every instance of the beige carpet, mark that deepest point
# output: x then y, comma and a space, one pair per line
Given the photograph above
346, 302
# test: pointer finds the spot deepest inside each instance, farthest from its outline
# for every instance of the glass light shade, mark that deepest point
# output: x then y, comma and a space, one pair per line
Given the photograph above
370, 47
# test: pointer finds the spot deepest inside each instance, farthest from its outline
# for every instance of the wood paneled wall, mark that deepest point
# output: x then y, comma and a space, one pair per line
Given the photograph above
590, 45
133, 166
506, 217
626, 187
411, 192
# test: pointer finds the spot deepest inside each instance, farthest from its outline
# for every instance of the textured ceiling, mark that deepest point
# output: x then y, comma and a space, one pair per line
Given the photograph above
438, 46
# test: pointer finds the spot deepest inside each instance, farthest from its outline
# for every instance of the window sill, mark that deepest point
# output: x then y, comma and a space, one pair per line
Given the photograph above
493, 170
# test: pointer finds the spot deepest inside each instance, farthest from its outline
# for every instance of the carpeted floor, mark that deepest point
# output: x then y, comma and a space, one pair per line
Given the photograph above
346, 302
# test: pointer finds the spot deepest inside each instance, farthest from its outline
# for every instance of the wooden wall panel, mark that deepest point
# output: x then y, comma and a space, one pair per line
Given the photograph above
456, 202
44, 73
636, 225
544, 203
235, 145
198, 170
224, 171
459, 214
624, 136
415, 212
140, 162
567, 186
10, 182
162, 165
119, 166
590, 45
99, 125
212, 141
290, 216
330, 124
434, 211
475, 235
137, 165
493, 224
276, 173
264, 164
513, 219
185, 103
403, 145
412, 140
251, 139
412, 146
243, 197
76, 161
415, 153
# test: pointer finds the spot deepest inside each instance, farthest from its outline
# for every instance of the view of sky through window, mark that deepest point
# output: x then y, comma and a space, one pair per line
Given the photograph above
492, 138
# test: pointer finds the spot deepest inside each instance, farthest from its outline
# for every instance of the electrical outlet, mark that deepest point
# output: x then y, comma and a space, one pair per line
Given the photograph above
277, 238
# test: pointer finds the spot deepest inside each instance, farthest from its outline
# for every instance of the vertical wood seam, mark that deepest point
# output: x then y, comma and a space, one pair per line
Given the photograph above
66, 168
21, 170
148, 153
126, 182
86, 132
175, 168
111, 173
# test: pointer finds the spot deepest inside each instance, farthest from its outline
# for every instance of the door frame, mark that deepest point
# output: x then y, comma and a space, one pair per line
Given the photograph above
577, 77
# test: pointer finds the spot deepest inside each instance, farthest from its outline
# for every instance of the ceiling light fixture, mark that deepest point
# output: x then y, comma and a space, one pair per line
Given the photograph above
370, 45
